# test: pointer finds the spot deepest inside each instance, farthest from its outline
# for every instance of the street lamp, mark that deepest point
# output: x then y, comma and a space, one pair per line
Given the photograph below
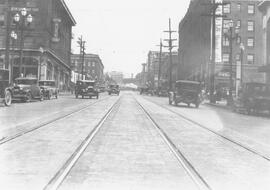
22, 20
14, 37
41, 50
242, 48
231, 33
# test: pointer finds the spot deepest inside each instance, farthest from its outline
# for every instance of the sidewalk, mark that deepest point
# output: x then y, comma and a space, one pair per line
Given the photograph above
220, 104
64, 93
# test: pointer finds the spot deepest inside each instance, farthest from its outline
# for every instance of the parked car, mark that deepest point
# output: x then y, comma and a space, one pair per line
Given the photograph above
187, 92
113, 89
253, 97
86, 88
48, 88
26, 89
5, 89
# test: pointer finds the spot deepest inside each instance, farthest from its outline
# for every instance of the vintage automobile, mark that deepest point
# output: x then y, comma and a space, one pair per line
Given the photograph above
86, 88
113, 89
48, 88
187, 92
26, 89
5, 89
253, 97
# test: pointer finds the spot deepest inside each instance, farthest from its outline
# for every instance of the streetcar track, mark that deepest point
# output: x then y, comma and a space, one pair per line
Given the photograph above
6, 139
189, 168
62, 173
233, 141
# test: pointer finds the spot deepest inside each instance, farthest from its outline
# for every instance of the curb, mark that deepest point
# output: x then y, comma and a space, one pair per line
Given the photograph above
218, 106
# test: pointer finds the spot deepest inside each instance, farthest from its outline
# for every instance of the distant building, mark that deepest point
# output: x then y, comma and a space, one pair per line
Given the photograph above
47, 40
117, 76
93, 67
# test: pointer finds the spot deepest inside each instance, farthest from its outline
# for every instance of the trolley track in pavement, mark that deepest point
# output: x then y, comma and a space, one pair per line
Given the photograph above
192, 172
45, 123
233, 141
62, 173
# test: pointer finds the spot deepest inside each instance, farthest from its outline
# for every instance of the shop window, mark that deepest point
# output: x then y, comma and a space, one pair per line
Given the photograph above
238, 7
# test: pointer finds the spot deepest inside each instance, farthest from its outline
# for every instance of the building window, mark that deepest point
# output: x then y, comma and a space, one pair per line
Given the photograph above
238, 24
251, 9
250, 26
93, 64
225, 57
250, 42
238, 7
226, 41
227, 8
250, 59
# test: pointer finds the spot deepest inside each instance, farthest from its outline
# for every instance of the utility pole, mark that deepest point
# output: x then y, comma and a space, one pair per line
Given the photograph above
170, 46
8, 25
214, 6
159, 64
81, 44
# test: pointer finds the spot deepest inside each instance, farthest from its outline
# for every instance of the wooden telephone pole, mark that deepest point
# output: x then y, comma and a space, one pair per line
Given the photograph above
170, 47
82, 53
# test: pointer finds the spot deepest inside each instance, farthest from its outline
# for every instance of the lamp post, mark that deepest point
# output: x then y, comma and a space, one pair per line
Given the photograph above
41, 50
14, 37
229, 34
22, 20
242, 48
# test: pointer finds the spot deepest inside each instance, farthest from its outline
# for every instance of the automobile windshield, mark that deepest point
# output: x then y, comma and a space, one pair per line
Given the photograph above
114, 86
26, 81
187, 86
90, 84
46, 83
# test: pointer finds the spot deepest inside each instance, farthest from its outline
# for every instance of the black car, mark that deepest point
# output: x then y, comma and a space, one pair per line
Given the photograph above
113, 89
86, 88
26, 89
187, 92
5, 89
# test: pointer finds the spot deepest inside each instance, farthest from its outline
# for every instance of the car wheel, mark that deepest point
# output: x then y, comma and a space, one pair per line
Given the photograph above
56, 95
41, 97
28, 97
8, 98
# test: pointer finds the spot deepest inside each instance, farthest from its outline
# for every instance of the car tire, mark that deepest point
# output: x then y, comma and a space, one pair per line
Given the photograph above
28, 97
8, 98
56, 95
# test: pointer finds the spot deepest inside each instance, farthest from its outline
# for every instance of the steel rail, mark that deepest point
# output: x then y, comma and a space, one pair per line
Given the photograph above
192, 172
62, 173
233, 141
21, 133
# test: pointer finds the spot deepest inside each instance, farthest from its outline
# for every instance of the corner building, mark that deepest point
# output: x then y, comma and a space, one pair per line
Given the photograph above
46, 44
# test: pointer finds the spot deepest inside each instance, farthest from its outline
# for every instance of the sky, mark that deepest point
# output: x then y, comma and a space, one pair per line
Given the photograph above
122, 32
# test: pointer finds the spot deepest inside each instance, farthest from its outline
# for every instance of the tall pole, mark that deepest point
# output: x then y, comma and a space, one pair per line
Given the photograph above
213, 62
7, 50
21, 47
231, 65
170, 46
83, 53
159, 64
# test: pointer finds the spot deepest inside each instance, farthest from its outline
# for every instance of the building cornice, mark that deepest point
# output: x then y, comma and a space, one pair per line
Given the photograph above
262, 6
68, 12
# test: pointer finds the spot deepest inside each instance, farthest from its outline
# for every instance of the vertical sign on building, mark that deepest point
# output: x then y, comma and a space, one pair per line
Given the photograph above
219, 22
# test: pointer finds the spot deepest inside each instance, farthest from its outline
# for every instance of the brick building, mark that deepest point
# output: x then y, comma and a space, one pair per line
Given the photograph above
93, 67
46, 43
194, 41
247, 21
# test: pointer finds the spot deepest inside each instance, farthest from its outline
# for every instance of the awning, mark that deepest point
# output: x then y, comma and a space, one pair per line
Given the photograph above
264, 69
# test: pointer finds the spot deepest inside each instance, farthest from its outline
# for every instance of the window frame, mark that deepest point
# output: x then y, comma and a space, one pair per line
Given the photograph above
253, 9
253, 59
248, 26
248, 42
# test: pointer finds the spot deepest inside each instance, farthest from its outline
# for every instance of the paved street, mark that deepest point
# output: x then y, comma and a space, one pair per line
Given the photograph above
128, 149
